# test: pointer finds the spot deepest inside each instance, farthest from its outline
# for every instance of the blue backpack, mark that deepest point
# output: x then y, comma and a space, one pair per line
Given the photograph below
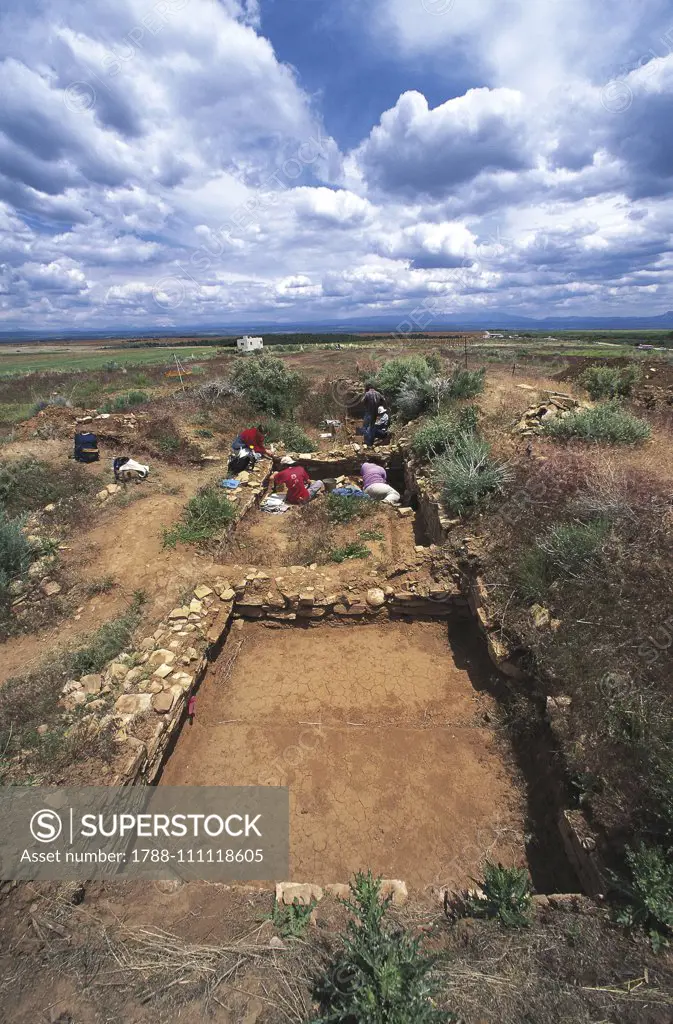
86, 448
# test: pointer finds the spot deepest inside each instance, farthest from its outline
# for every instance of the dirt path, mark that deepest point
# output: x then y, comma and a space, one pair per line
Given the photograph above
379, 736
126, 544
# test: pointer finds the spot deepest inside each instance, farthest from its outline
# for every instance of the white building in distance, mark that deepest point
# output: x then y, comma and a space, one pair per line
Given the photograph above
247, 344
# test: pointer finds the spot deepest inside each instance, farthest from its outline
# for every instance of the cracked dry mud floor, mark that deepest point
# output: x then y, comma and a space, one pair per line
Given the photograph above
381, 740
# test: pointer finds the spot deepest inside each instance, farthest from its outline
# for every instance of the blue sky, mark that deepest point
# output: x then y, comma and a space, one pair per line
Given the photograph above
186, 162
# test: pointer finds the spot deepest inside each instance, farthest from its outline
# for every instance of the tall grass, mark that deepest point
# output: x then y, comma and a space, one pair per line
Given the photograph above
608, 422
436, 436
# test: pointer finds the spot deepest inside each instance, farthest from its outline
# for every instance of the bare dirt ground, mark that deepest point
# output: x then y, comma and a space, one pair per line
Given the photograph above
381, 740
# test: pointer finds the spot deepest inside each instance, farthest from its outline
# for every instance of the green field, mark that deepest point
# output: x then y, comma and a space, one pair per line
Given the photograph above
74, 358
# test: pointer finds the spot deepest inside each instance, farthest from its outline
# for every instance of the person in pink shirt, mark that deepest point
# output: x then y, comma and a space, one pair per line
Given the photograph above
375, 483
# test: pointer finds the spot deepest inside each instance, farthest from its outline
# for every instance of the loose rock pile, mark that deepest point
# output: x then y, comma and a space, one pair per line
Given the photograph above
556, 406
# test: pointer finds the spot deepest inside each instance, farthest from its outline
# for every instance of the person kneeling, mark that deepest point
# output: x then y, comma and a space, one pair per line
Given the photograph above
375, 483
300, 488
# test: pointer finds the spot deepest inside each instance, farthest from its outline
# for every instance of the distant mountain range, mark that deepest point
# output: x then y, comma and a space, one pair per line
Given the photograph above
487, 320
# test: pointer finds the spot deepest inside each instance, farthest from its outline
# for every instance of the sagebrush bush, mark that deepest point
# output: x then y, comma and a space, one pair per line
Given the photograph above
438, 435
608, 422
204, 516
54, 400
16, 553
564, 553
292, 436
467, 383
647, 892
394, 373
380, 975
610, 381
467, 475
122, 402
268, 385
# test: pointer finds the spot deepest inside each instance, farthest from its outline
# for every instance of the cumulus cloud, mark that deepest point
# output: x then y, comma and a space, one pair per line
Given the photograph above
160, 165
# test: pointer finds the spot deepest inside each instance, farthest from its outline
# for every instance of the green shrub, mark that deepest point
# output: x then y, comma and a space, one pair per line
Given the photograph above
292, 436
395, 372
204, 516
563, 553
506, 896
467, 475
355, 549
467, 383
292, 921
436, 437
44, 403
343, 509
610, 381
268, 385
122, 402
648, 892
380, 975
608, 422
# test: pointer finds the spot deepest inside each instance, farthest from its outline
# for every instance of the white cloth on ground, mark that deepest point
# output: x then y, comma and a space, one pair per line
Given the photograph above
384, 492
274, 504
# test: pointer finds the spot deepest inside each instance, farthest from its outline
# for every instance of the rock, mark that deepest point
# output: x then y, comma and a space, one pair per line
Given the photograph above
276, 943
92, 683
133, 703
288, 892
406, 513
228, 594
244, 477
134, 675
50, 588
116, 672
42, 730
49, 508
376, 598
182, 679
102, 495
201, 592
396, 889
339, 890
163, 671
155, 686
178, 613
541, 616
113, 488
161, 657
163, 702
195, 607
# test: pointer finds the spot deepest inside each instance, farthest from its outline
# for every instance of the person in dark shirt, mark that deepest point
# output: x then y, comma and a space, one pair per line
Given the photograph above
372, 400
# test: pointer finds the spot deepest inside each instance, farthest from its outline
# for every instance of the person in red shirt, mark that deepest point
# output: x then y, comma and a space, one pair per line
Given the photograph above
253, 439
298, 483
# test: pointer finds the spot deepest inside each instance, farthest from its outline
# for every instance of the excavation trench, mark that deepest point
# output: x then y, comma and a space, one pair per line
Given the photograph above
383, 734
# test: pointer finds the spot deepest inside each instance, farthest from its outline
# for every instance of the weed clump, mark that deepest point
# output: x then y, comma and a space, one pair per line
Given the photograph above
608, 422
268, 385
380, 973
647, 893
343, 509
29, 484
505, 896
204, 516
293, 920
16, 554
467, 475
610, 381
355, 549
